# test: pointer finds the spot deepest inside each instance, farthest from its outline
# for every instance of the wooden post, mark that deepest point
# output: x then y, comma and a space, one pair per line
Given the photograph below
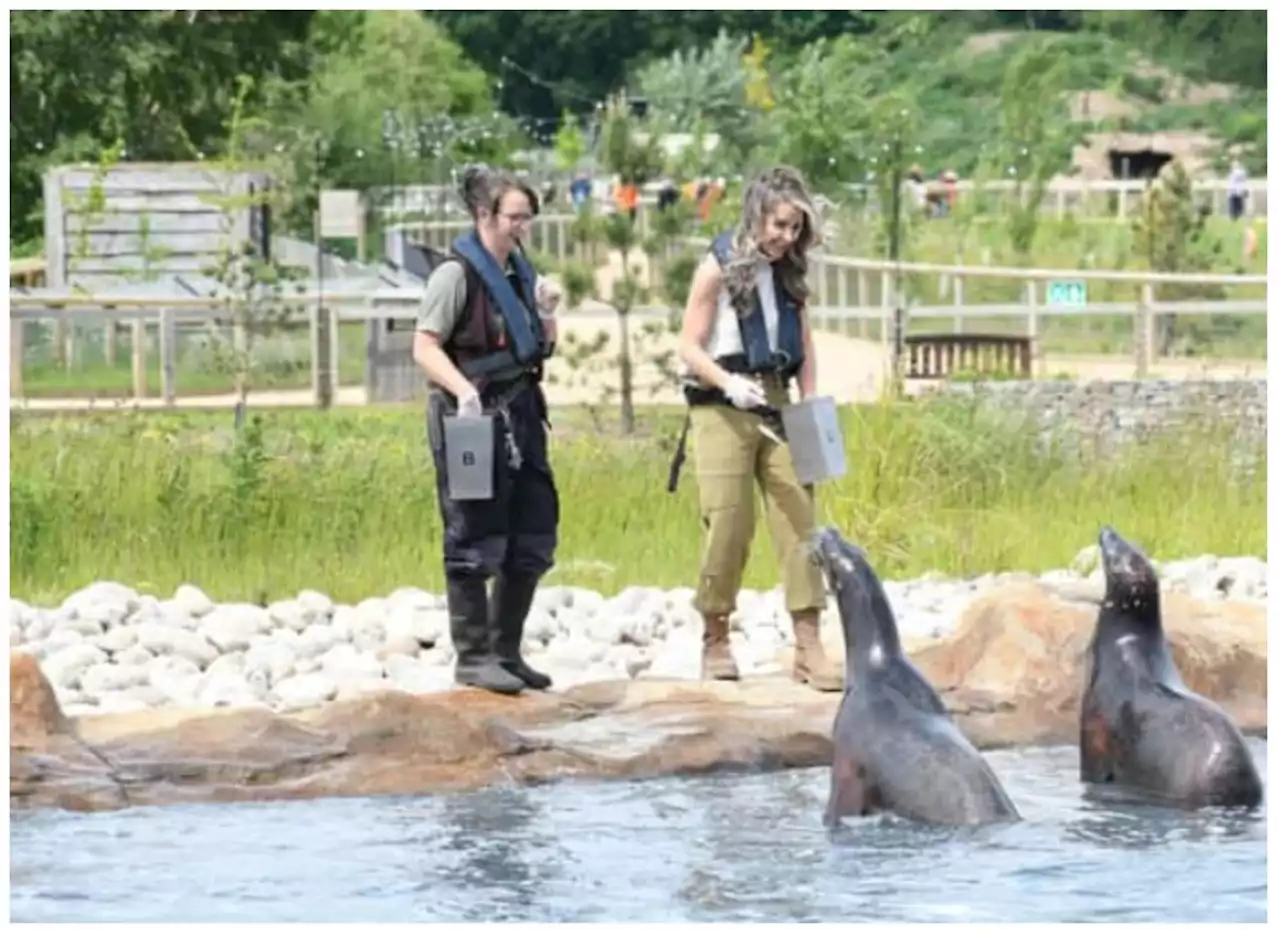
1144, 333
109, 343
321, 348
17, 334
842, 299
864, 303
886, 306
335, 344
1033, 324
168, 336
139, 358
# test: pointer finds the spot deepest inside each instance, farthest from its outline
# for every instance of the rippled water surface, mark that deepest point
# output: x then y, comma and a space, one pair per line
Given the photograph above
726, 848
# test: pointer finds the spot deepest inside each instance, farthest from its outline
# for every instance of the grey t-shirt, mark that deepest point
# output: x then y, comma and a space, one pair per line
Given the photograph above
444, 299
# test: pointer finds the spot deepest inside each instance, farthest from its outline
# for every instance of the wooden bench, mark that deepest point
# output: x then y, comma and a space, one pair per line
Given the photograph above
938, 356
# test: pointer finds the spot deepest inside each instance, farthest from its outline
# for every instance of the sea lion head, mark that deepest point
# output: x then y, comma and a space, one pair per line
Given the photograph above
1132, 584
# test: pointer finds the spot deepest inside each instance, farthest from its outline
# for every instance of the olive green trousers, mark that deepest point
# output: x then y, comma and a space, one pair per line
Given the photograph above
731, 455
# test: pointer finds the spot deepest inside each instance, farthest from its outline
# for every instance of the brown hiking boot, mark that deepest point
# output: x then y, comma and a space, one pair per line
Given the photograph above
717, 658
811, 662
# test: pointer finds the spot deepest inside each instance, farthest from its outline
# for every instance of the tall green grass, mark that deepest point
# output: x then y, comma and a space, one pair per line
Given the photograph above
344, 502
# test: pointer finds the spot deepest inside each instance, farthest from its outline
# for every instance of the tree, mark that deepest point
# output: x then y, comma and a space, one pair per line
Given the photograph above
1035, 136
570, 145
822, 121
706, 89
254, 288
1171, 237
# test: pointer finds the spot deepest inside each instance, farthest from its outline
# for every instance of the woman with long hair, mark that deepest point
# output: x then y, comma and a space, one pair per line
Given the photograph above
745, 338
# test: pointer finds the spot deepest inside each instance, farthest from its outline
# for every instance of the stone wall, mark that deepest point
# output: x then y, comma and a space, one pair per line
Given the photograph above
1110, 413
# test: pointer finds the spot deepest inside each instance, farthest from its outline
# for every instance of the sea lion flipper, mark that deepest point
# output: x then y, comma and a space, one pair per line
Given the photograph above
848, 790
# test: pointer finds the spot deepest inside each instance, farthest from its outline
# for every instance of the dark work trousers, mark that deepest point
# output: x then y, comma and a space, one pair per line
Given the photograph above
514, 532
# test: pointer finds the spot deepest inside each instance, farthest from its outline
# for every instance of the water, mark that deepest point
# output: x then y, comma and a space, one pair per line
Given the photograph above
725, 848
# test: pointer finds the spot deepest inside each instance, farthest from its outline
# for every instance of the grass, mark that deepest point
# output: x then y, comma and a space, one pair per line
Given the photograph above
344, 501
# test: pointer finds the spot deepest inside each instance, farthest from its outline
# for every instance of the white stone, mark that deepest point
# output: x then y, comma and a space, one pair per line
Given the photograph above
176, 678
424, 625
319, 606
134, 655
165, 640
171, 614
39, 626
344, 621
227, 687
120, 703
354, 688
117, 639
230, 628
65, 666
414, 597
99, 596
348, 665
306, 666
68, 620
540, 626
109, 677
19, 613
371, 609
291, 615
305, 691
276, 659
147, 694
318, 639
192, 601
369, 635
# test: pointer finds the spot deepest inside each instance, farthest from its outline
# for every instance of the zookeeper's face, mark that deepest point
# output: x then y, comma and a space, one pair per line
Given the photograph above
513, 219
780, 228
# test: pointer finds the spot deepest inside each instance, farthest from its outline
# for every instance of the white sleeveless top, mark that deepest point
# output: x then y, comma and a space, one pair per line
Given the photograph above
725, 337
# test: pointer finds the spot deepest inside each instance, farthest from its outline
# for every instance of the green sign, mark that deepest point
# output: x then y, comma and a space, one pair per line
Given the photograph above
1066, 292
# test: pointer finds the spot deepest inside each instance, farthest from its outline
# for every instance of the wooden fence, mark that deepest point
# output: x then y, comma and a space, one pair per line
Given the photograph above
855, 296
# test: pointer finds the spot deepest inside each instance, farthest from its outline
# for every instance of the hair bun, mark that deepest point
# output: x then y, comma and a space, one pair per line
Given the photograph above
473, 177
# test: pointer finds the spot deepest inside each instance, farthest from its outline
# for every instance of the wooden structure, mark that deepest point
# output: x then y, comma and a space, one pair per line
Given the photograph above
937, 356
140, 222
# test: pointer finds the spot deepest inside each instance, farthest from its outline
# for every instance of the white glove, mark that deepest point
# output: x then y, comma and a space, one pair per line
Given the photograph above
469, 404
548, 296
743, 393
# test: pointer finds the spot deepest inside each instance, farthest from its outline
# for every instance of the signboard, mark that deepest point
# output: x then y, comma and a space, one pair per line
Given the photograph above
1068, 292
340, 213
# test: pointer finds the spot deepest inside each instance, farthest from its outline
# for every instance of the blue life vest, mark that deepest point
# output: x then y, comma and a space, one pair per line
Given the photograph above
757, 356
523, 326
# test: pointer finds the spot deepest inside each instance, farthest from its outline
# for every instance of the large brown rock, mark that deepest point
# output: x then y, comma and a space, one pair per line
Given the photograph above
1011, 674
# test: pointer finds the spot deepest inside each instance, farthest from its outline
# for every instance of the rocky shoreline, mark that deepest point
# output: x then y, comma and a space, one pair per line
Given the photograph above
119, 699
108, 649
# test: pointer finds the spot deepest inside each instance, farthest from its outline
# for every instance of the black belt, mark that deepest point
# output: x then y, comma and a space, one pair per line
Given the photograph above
708, 396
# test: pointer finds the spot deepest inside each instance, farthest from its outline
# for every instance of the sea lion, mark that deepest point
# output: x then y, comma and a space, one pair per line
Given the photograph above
896, 747
1141, 729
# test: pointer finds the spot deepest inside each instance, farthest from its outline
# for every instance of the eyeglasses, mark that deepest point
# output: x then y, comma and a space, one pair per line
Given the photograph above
521, 218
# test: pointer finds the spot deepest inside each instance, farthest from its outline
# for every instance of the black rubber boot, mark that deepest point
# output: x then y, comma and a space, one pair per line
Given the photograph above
469, 628
512, 598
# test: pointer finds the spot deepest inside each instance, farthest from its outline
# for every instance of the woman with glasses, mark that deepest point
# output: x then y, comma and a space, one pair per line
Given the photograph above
485, 326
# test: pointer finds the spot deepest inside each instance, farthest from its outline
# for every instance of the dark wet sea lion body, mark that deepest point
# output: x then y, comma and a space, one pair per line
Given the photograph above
1142, 730
896, 749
